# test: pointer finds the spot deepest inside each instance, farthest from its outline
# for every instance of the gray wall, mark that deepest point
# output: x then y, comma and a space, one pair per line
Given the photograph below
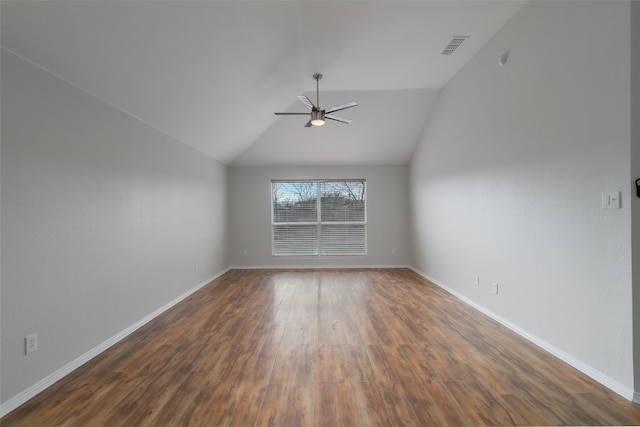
103, 222
506, 183
635, 173
250, 214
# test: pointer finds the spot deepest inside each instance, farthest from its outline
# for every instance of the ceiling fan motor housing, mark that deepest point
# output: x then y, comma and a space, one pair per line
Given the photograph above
317, 117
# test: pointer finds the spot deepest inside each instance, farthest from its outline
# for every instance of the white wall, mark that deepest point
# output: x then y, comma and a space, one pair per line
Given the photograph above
635, 173
250, 214
506, 183
103, 220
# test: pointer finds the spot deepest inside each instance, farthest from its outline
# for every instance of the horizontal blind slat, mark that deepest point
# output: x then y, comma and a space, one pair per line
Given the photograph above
343, 239
295, 240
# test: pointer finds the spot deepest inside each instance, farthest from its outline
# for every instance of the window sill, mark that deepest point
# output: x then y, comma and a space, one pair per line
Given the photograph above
308, 257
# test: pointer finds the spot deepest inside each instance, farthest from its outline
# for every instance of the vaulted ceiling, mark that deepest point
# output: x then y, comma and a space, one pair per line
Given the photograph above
212, 73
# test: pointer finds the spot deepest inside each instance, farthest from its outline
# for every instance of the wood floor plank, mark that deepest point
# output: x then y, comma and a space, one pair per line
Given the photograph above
532, 415
323, 363
426, 410
303, 368
300, 405
452, 412
248, 408
482, 407
368, 334
346, 405
325, 412
369, 347
393, 392
342, 365
371, 405
331, 332
361, 369
273, 406
287, 354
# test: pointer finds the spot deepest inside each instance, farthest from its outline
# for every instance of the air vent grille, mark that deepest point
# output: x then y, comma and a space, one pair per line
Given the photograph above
455, 43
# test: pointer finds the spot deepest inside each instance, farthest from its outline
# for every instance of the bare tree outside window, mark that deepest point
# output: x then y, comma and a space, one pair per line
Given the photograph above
295, 201
342, 201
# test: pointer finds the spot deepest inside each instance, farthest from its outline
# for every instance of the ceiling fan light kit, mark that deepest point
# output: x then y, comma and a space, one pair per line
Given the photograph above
318, 116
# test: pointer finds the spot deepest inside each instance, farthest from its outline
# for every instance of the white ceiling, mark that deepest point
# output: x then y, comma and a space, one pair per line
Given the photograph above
212, 73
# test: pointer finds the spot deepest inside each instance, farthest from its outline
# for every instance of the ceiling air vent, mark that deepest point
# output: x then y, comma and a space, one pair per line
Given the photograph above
455, 42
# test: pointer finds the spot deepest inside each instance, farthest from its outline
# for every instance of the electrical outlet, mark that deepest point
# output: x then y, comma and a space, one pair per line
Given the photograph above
244, 252
195, 268
495, 288
476, 280
31, 343
393, 251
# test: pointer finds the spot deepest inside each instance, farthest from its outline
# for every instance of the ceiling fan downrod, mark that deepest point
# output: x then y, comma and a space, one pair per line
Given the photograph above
317, 77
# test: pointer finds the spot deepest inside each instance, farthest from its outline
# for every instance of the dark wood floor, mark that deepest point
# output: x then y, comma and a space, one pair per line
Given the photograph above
325, 348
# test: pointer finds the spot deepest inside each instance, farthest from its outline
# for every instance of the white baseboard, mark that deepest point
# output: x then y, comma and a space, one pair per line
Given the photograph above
311, 267
603, 379
41, 385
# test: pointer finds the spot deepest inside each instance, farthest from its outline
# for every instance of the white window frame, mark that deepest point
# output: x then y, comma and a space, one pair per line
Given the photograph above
319, 223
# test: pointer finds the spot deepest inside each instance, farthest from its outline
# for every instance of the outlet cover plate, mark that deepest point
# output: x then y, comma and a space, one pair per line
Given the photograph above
31, 343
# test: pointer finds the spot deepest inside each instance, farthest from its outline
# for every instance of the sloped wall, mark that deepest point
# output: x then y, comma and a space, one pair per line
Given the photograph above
103, 222
506, 184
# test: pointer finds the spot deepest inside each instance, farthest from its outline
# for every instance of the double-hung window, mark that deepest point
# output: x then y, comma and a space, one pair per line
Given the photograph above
319, 217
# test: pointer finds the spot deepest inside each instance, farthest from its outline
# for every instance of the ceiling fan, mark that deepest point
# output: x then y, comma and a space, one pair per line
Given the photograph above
318, 116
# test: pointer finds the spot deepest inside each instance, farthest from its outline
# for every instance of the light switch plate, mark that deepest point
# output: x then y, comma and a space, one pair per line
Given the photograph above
611, 200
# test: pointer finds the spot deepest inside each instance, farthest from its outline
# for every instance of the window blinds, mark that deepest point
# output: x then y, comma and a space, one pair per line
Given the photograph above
319, 217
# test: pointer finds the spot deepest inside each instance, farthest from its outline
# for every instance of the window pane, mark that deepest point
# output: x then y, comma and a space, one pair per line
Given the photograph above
342, 201
294, 201
317, 218
343, 239
295, 239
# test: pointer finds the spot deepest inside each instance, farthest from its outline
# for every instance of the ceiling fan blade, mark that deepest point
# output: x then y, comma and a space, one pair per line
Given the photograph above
291, 114
337, 119
340, 107
306, 101
308, 125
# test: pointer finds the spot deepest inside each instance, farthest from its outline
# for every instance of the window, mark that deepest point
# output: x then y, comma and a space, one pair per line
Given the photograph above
319, 217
